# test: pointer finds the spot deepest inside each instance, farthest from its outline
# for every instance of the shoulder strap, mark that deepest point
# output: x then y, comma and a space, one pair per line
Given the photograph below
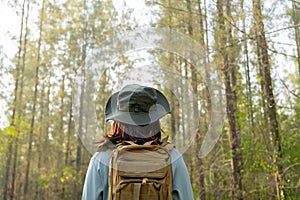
109, 145
105, 146
164, 143
169, 146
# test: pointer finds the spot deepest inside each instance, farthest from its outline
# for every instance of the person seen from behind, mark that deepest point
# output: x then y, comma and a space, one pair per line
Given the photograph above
133, 162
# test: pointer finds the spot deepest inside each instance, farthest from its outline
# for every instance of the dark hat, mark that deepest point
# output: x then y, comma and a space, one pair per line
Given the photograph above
136, 105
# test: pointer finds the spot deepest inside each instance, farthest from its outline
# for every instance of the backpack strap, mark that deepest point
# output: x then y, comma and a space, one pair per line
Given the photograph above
105, 146
109, 145
169, 146
136, 191
165, 144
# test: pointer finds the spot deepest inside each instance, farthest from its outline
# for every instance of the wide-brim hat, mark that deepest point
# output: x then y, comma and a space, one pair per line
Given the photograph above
137, 105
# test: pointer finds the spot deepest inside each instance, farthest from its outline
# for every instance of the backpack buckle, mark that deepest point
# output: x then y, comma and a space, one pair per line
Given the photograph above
139, 141
144, 181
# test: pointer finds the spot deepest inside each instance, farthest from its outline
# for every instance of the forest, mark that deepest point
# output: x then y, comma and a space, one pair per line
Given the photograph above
229, 68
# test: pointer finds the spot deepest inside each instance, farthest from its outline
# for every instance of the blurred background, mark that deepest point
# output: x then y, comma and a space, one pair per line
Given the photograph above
253, 45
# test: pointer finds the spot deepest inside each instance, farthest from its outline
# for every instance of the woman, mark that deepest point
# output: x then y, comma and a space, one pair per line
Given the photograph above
135, 111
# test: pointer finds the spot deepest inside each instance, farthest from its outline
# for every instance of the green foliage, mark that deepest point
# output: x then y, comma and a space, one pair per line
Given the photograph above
71, 28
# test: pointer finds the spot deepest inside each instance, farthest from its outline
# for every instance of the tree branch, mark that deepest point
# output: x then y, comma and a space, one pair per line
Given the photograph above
284, 28
290, 91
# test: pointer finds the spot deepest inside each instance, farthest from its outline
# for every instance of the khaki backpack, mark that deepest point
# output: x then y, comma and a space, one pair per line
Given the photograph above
140, 172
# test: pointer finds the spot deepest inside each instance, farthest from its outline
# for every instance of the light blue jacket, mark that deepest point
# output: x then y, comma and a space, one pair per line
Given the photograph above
96, 180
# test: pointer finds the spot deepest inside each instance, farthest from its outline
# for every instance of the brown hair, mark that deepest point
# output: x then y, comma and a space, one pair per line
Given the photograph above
139, 134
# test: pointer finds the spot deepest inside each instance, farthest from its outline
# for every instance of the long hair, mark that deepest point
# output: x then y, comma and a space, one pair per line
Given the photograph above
139, 134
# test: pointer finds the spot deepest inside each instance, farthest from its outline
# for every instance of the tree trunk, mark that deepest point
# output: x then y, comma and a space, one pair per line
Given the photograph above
61, 127
248, 79
13, 142
69, 133
172, 102
204, 41
229, 70
82, 130
296, 20
35, 97
45, 135
268, 98
201, 184
40, 150
7, 169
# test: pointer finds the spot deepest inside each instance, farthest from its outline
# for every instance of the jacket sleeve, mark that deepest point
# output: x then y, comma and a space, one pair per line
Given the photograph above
93, 184
182, 188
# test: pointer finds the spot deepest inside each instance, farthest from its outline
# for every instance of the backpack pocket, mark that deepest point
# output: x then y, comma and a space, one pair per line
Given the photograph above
140, 189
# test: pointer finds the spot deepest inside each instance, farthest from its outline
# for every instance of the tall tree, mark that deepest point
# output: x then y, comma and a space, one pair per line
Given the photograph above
35, 101
194, 83
296, 24
247, 69
227, 54
16, 103
268, 97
